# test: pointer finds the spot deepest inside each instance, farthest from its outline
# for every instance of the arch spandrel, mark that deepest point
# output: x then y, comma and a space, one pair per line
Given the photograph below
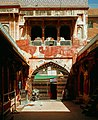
46, 65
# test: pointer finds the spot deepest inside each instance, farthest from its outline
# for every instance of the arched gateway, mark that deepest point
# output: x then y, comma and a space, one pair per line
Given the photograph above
50, 78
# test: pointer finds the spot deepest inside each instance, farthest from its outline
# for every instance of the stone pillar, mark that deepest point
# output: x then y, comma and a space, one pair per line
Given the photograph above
43, 38
84, 27
75, 35
14, 26
58, 31
75, 30
27, 31
43, 33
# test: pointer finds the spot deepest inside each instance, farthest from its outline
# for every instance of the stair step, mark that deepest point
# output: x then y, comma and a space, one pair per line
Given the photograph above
20, 107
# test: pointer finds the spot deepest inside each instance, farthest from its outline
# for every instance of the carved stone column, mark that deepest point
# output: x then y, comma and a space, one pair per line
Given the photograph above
58, 31
43, 33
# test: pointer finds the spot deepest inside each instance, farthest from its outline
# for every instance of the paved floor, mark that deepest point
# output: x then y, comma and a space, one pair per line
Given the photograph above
74, 114
43, 106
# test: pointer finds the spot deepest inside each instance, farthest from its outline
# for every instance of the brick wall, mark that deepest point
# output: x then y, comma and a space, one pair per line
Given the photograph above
93, 16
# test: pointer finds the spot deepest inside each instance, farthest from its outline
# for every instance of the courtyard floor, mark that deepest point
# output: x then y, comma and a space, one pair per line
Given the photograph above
51, 110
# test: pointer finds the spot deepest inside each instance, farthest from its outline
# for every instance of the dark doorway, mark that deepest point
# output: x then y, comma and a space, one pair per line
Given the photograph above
53, 90
93, 78
51, 31
36, 31
65, 32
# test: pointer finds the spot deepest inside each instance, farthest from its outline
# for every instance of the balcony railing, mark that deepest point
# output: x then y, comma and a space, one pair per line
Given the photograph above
8, 105
36, 43
51, 43
66, 42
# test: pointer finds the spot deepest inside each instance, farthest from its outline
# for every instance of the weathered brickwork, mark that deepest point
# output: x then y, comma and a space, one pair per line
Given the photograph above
93, 17
46, 30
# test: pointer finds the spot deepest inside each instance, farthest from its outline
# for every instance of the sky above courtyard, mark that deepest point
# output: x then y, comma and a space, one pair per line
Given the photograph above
93, 3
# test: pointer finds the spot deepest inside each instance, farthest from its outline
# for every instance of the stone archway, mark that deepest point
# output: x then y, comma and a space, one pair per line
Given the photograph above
52, 86
45, 65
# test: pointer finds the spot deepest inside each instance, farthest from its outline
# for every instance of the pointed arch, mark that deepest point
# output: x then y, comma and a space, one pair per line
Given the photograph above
58, 67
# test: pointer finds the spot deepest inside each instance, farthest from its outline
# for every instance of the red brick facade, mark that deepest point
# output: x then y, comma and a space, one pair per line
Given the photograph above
93, 18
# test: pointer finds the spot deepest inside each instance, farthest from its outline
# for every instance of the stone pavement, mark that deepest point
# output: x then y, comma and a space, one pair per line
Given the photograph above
74, 114
43, 106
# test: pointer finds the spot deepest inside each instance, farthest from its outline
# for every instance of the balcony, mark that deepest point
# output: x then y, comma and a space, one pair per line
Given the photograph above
51, 43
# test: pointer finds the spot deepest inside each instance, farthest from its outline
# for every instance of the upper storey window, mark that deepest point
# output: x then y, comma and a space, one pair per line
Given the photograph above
97, 24
90, 24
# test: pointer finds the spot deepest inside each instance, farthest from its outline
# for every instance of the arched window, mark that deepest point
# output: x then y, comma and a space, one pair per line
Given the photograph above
65, 32
90, 24
51, 31
80, 32
65, 38
36, 32
6, 26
